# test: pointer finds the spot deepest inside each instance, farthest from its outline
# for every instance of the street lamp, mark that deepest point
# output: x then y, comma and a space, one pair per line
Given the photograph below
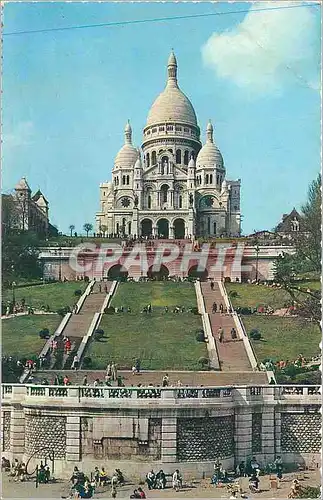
60, 264
257, 250
13, 293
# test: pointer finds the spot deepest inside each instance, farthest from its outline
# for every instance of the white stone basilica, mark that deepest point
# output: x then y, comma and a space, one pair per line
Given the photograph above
173, 187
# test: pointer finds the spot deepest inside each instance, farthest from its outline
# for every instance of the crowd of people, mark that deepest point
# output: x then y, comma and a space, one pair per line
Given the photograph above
158, 480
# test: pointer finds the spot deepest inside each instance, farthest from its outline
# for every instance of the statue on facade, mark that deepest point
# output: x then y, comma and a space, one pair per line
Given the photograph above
191, 199
136, 201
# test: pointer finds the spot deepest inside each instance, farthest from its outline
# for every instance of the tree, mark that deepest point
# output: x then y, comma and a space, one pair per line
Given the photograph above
71, 228
20, 256
306, 259
87, 228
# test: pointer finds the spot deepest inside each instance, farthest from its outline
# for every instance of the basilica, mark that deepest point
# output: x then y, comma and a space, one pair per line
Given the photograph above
173, 186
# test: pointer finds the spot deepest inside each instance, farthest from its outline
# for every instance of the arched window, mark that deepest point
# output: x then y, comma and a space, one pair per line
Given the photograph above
153, 158
164, 192
207, 179
218, 179
179, 156
117, 228
123, 179
149, 201
214, 227
127, 180
211, 179
186, 158
208, 225
180, 201
193, 155
129, 227
147, 160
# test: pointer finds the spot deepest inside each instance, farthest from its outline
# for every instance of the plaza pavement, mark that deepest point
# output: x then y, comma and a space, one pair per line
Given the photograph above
200, 489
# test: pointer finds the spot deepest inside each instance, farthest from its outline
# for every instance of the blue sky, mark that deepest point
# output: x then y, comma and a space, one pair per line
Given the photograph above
68, 94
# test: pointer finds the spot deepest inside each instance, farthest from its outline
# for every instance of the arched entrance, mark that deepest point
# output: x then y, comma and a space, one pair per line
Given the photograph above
193, 272
160, 275
179, 229
163, 228
146, 227
117, 271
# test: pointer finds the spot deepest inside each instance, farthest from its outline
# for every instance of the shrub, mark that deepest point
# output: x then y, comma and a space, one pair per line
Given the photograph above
87, 362
86, 279
200, 336
109, 310
195, 310
233, 294
44, 333
245, 310
203, 362
98, 334
78, 293
310, 492
63, 310
255, 334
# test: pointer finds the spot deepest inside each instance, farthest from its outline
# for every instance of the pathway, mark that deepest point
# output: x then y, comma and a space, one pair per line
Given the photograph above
79, 324
155, 377
232, 354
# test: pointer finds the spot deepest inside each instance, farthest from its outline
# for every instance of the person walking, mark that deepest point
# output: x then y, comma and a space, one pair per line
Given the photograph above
212, 285
233, 333
165, 382
113, 371
220, 334
221, 308
113, 491
214, 307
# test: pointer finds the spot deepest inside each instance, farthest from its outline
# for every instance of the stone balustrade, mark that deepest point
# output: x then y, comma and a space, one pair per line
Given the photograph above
20, 393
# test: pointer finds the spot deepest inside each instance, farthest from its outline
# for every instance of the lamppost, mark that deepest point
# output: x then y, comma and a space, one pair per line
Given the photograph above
13, 293
60, 264
257, 250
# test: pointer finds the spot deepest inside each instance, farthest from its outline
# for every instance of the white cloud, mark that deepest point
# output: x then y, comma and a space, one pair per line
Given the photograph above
21, 136
268, 49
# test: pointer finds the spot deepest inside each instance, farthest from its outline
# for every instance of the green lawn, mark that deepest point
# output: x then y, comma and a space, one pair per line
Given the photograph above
20, 335
257, 295
283, 338
56, 295
161, 340
260, 295
158, 294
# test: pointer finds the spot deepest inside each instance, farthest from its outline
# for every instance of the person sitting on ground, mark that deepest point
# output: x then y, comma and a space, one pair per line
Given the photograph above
166, 309
242, 469
160, 480
5, 464
103, 477
141, 492
96, 476
151, 480
295, 489
254, 483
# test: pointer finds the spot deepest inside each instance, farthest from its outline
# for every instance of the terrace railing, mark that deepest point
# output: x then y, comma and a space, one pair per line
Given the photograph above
219, 395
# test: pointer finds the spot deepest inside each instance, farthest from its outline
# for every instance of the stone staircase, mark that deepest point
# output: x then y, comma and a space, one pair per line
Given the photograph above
232, 353
79, 324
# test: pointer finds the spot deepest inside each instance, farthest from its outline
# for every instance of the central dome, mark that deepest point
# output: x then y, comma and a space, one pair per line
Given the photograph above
172, 105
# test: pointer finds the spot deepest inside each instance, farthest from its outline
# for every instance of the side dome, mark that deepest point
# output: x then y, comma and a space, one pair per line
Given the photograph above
128, 154
209, 155
172, 104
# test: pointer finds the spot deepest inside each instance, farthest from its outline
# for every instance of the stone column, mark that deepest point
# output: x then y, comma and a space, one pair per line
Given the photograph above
17, 432
169, 440
268, 433
73, 438
171, 232
243, 434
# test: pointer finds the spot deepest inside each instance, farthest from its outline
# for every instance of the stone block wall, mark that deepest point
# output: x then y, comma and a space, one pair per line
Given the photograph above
300, 432
43, 431
6, 424
121, 448
201, 439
